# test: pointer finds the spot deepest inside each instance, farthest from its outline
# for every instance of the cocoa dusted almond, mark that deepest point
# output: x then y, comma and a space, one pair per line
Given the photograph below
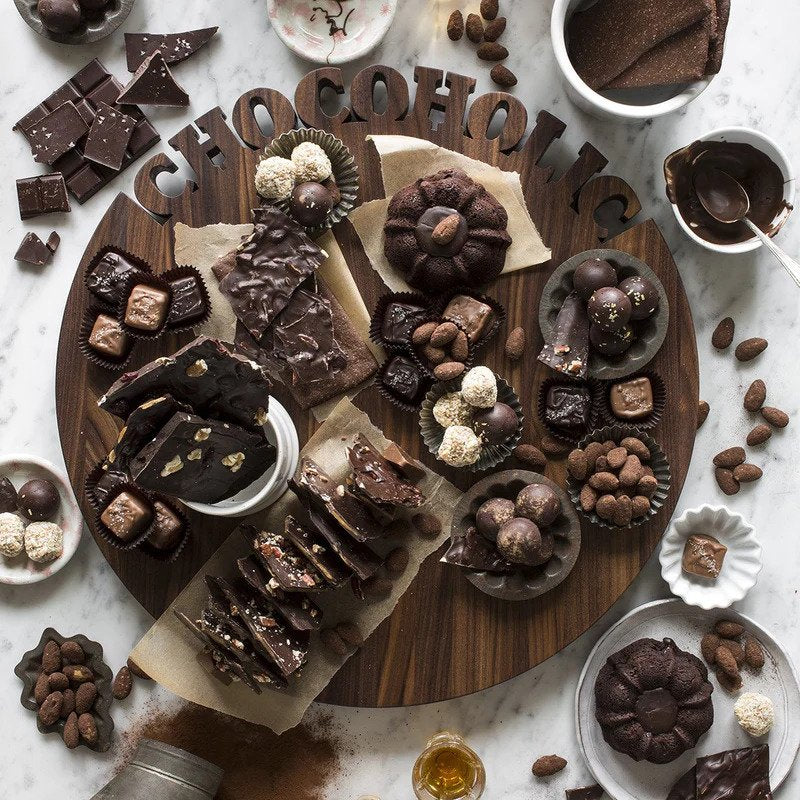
41, 689
495, 29
87, 728
531, 455
702, 413
50, 709
726, 481
578, 465
503, 76
350, 634
448, 371
490, 9
750, 348
759, 435
422, 334
515, 344
722, 338
427, 525
726, 662
546, 766
72, 652
747, 473
71, 734
377, 586
728, 683
708, 646
775, 417
333, 642
443, 334
397, 561
455, 26
51, 657
474, 28
753, 653
553, 447
728, 629
446, 230
122, 685
492, 51
730, 458
755, 395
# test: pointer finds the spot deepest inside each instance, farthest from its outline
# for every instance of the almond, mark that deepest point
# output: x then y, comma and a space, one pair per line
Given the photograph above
459, 349
702, 412
726, 481
41, 689
617, 457
50, 709
593, 451
72, 652
455, 26
122, 685
427, 525
722, 338
78, 673
554, 447
68, 705
515, 344
601, 465
775, 417
730, 458
623, 512
728, 629
636, 447
708, 647
51, 657
377, 586
631, 472
735, 649
58, 682
747, 473
448, 371
640, 506
647, 486
433, 355
753, 653
85, 695
531, 455
492, 51
490, 9
730, 684
546, 766
606, 506
71, 734
604, 481
446, 230
331, 639
759, 435
755, 396
397, 561
577, 465
474, 28
422, 335
750, 348
87, 728
503, 76
495, 29
444, 334
608, 446
726, 662
350, 634
588, 498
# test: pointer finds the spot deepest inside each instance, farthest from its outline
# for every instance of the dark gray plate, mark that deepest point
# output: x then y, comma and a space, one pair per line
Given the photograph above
92, 29
650, 333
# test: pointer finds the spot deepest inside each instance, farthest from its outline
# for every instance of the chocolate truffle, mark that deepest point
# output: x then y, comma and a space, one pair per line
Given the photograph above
44, 541
167, 527
404, 379
492, 515
275, 178
568, 407
539, 504
497, 424
472, 315
188, 302
610, 343
108, 338
310, 204
311, 162
59, 16
643, 296
521, 542
632, 399
399, 320
591, 275
609, 308
479, 387
703, 556
12, 535
147, 307
452, 409
755, 713
38, 499
460, 446
127, 516
8, 496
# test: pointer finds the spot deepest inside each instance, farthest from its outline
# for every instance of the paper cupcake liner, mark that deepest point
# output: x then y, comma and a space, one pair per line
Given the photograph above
156, 281
594, 412
399, 402
90, 486
658, 463
345, 171
659, 402
141, 265
169, 556
421, 363
433, 432
496, 305
185, 272
95, 356
108, 536
376, 323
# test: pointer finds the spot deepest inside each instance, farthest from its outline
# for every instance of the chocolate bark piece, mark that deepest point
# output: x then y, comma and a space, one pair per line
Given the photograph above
127, 516
108, 338
147, 307
42, 194
32, 250
377, 479
399, 321
354, 516
741, 774
632, 399
109, 136
718, 41
568, 407
86, 89
585, 793
474, 316
606, 38
472, 551
174, 47
408, 466
568, 348
270, 266
202, 460
188, 302
208, 374
56, 133
703, 556
299, 611
154, 85
317, 551
290, 568
684, 788
109, 277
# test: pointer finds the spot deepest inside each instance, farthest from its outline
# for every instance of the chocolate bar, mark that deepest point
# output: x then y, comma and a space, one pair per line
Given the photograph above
292, 571
56, 133
175, 47
208, 374
568, 348
741, 774
32, 250
109, 136
86, 89
472, 551
109, 277
201, 460
154, 85
317, 551
42, 194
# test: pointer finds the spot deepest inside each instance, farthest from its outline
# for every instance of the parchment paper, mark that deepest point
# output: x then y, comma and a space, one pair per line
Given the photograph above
169, 653
405, 159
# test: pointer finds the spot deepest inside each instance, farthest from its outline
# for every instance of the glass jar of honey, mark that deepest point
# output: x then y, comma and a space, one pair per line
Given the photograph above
448, 770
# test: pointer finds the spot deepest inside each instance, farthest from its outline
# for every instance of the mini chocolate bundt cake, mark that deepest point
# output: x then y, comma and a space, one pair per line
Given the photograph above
653, 701
445, 230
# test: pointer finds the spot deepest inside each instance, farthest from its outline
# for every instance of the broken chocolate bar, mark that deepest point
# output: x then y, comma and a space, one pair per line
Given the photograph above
175, 47
292, 571
316, 549
568, 348
154, 85
32, 250
56, 133
109, 136
378, 480
408, 466
43, 194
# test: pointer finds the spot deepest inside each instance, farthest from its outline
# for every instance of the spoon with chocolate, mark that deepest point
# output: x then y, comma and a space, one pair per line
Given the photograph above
725, 199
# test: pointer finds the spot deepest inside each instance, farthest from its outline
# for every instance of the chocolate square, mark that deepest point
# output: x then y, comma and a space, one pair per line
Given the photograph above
188, 302
632, 399
399, 321
56, 133
473, 315
127, 516
42, 194
147, 307
108, 338
109, 136
109, 277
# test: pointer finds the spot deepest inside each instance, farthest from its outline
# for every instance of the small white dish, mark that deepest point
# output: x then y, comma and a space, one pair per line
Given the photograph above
653, 102
766, 145
329, 32
263, 492
19, 469
741, 566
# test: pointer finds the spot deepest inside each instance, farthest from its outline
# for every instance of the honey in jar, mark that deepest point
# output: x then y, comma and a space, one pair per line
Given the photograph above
448, 770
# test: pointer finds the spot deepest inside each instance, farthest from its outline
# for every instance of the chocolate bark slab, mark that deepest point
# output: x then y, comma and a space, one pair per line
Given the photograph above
109, 137
568, 350
208, 374
474, 552
359, 557
174, 47
316, 549
734, 775
154, 85
290, 568
201, 460
42, 194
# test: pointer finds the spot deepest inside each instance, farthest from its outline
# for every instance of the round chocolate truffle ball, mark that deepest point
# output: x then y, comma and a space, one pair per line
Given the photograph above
521, 542
59, 16
492, 515
643, 296
610, 343
591, 275
310, 204
495, 425
609, 308
38, 499
539, 504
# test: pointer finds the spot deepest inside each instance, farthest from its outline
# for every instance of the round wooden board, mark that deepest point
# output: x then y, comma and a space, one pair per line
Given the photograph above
471, 641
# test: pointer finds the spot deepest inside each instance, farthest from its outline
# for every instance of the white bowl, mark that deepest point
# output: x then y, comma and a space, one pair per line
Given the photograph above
19, 469
263, 492
599, 105
766, 145
740, 568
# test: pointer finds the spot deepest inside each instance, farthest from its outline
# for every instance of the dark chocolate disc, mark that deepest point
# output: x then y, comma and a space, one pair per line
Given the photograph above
427, 224
539, 504
593, 274
609, 308
492, 515
610, 343
497, 424
59, 16
643, 296
38, 499
310, 204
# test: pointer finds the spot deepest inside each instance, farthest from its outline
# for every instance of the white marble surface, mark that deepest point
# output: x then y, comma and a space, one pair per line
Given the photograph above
511, 724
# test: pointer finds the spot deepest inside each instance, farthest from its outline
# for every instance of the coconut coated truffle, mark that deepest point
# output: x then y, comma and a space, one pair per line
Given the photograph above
460, 446
44, 541
451, 409
275, 178
311, 163
12, 535
755, 713
479, 387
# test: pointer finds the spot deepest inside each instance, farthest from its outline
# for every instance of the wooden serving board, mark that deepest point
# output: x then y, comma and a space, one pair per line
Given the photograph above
445, 638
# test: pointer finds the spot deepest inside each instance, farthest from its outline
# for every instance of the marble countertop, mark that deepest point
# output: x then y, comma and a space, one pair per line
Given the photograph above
512, 724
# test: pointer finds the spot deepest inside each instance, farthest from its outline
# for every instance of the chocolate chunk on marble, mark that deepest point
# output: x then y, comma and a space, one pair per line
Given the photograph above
377, 479
585, 793
174, 47
108, 338
42, 194
568, 348
56, 133
127, 516
32, 250
153, 84
109, 137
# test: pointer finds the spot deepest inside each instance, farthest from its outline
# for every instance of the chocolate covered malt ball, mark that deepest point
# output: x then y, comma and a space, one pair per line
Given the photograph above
492, 515
591, 275
538, 503
310, 204
59, 16
38, 499
521, 542
609, 308
495, 425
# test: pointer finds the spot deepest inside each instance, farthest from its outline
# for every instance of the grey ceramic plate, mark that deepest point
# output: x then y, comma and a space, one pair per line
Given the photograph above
650, 334
92, 29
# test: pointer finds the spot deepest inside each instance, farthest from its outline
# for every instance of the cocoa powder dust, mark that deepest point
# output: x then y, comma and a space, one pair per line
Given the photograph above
257, 763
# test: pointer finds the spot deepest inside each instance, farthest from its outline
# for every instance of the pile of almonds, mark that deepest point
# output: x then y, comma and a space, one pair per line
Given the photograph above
443, 347
727, 649
616, 482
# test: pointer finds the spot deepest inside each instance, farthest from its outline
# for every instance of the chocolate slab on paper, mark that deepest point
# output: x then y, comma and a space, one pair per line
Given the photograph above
32, 250
86, 89
378, 480
208, 374
568, 349
202, 460
109, 136
734, 775
41, 194
154, 85
316, 549
174, 47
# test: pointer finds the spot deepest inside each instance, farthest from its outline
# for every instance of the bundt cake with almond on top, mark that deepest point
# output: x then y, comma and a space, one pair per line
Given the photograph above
653, 701
446, 230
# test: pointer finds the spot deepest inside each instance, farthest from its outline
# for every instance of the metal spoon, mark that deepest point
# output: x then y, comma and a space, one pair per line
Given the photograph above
725, 199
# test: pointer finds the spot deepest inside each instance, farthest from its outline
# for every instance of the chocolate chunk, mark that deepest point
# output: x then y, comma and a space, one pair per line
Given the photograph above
399, 320
174, 47
568, 407
472, 315
153, 84
632, 399
8, 496
43, 194
593, 274
32, 250
108, 338
354, 515
107, 486
147, 307
38, 499
108, 137
202, 460
407, 465
585, 793
290, 568
208, 374
310, 204
167, 528
56, 133
109, 276
378, 480
568, 348
188, 301
405, 380
472, 551
742, 774
317, 551
127, 516
703, 556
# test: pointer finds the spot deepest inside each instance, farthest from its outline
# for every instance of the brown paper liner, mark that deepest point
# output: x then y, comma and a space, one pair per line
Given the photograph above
659, 402
155, 281
376, 323
184, 272
169, 556
497, 307
658, 463
399, 402
107, 536
420, 361
140, 264
594, 412
95, 356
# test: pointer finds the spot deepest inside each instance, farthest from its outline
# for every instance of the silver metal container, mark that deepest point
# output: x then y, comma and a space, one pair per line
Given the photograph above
159, 771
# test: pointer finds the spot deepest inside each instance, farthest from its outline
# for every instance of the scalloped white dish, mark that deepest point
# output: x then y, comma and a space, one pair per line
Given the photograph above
741, 566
